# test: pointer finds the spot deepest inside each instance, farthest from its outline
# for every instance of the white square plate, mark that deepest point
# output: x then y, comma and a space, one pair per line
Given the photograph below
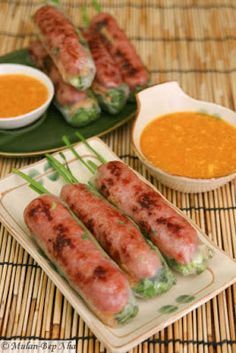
154, 314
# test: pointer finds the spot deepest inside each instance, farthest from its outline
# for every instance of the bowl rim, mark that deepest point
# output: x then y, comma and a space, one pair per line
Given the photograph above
38, 73
144, 160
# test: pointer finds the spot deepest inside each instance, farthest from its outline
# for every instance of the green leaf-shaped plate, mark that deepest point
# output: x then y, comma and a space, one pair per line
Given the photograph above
46, 133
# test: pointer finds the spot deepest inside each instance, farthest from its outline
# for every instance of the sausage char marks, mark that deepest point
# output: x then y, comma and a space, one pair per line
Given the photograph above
39, 209
107, 73
119, 237
170, 231
64, 43
123, 52
61, 239
65, 242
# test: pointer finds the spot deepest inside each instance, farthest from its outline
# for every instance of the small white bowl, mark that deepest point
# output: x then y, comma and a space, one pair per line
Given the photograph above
28, 118
168, 98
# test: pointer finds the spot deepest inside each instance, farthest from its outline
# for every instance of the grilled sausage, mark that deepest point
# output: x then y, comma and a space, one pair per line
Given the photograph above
111, 92
122, 50
66, 46
121, 239
169, 231
79, 108
69, 246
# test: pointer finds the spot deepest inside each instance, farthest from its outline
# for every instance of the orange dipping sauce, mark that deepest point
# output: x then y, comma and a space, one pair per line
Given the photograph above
20, 94
191, 144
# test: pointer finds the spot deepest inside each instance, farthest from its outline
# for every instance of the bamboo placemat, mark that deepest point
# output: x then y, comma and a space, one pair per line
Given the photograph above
194, 43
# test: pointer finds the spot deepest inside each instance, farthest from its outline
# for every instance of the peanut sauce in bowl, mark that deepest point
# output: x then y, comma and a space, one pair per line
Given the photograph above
25, 94
187, 144
20, 94
191, 144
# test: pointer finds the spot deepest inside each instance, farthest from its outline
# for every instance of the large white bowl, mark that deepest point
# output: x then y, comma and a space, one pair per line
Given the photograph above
168, 98
28, 118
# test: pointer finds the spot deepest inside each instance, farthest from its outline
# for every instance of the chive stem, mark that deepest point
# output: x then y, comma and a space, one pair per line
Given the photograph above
76, 154
66, 163
52, 2
33, 184
85, 17
62, 170
81, 137
96, 6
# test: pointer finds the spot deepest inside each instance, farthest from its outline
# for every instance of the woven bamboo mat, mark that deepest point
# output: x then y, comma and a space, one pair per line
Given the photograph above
194, 43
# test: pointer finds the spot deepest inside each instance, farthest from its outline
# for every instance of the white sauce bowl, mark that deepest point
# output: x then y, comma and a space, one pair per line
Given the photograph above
28, 118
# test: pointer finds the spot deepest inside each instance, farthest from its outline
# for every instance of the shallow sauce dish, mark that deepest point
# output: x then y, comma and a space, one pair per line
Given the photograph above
168, 98
19, 121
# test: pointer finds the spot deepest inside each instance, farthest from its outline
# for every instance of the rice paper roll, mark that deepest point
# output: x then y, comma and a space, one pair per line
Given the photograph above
109, 88
66, 46
75, 254
175, 237
79, 108
143, 265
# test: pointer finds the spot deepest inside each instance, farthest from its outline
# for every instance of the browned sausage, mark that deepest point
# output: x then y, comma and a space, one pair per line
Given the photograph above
66, 46
68, 245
